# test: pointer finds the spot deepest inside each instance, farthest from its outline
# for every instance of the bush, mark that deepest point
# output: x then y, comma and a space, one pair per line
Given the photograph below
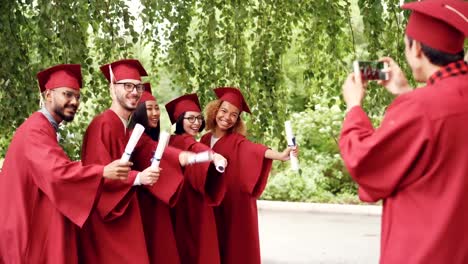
323, 177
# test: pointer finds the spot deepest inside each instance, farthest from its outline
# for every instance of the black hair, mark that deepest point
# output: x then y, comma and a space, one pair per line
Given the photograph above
437, 57
141, 117
179, 129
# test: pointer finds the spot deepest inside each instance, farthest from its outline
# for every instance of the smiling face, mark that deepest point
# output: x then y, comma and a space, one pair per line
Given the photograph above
192, 122
64, 103
226, 116
153, 112
127, 99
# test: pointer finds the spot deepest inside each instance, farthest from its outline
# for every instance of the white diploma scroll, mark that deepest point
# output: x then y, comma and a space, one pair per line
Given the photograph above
162, 143
207, 156
291, 143
220, 165
136, 134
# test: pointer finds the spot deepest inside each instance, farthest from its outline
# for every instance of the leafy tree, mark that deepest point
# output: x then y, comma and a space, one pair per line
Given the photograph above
287, 56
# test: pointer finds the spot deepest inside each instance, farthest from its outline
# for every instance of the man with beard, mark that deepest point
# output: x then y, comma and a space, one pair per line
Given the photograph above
44, 196
114, 232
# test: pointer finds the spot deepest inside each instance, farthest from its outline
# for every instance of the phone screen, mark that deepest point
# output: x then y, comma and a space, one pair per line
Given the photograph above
371, 70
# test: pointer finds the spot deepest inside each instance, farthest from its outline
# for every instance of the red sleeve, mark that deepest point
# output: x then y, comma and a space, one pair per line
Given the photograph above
254, 168
171, 177
71, 187
204, 178
390, 156
98, 144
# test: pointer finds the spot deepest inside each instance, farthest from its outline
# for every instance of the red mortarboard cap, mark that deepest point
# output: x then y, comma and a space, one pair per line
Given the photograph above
124, 69
184, 103
147, 95
233, 96
63, 75
439, 24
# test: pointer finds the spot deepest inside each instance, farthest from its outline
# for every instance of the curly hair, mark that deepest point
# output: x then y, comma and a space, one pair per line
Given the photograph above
211, 110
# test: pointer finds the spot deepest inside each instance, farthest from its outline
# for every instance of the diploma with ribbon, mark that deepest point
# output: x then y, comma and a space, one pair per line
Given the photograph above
136, 134
291, 143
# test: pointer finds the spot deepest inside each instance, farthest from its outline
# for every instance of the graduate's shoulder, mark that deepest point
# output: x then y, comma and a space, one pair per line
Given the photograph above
183, 141
436, 101
36, 123
106, 118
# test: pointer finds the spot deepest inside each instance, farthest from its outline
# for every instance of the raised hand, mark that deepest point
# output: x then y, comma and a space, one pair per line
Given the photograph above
397, 83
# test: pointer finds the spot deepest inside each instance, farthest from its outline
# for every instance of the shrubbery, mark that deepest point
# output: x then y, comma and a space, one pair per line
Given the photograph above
322, 176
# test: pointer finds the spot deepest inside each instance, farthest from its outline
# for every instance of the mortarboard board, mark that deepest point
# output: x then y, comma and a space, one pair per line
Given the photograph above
184, 103
233, 96
439, 24
63, 75
124, 69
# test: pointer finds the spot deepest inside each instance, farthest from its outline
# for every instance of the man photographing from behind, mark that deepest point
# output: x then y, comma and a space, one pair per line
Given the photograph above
417, 160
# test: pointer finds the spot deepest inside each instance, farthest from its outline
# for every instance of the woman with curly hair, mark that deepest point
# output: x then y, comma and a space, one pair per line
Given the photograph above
246, 176
193, 217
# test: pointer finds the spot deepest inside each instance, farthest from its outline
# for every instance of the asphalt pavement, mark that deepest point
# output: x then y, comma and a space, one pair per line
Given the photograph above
300, 233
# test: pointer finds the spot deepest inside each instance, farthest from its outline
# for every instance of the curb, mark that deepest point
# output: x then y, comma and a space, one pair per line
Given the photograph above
369, 210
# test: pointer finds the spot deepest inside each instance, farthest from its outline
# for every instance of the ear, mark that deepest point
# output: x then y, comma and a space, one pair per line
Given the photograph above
48, 95
417, 49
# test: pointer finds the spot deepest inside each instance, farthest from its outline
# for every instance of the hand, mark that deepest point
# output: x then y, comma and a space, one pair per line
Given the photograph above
284, 155
354, 90
397, 83
295, 151
117, 170
219, 160
149, 176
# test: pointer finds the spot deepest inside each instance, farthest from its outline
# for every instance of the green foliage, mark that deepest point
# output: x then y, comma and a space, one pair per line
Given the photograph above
288, 57
322, 172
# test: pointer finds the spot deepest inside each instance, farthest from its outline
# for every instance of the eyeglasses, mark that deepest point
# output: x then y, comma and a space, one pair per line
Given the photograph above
130, 86
69, 95
192, 119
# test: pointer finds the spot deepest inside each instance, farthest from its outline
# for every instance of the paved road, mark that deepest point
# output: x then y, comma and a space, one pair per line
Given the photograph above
316, 237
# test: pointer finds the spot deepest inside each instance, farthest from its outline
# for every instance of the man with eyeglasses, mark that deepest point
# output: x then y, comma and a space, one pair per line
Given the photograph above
44, 196
114, 232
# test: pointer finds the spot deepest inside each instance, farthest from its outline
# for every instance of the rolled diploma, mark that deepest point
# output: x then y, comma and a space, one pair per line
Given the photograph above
220, 165
291, 143
162, 143
136, 134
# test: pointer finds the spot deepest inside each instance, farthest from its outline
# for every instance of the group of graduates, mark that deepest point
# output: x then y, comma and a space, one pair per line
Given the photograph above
103, 210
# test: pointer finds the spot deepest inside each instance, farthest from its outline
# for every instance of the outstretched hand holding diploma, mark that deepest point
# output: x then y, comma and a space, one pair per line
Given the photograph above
187, 157
291, 143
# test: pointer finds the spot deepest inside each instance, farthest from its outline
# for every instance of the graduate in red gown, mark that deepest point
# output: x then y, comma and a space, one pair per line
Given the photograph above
416, 160
45, 197
114, 232
246, 176
155, 200
204, 187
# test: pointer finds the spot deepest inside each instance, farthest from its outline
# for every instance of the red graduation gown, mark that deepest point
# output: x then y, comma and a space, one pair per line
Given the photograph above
114, 232
44, 197
417, 162
193, 216
236, 216
155, 201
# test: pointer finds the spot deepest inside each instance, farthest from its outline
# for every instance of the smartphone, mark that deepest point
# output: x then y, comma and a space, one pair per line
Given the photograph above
371, 70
